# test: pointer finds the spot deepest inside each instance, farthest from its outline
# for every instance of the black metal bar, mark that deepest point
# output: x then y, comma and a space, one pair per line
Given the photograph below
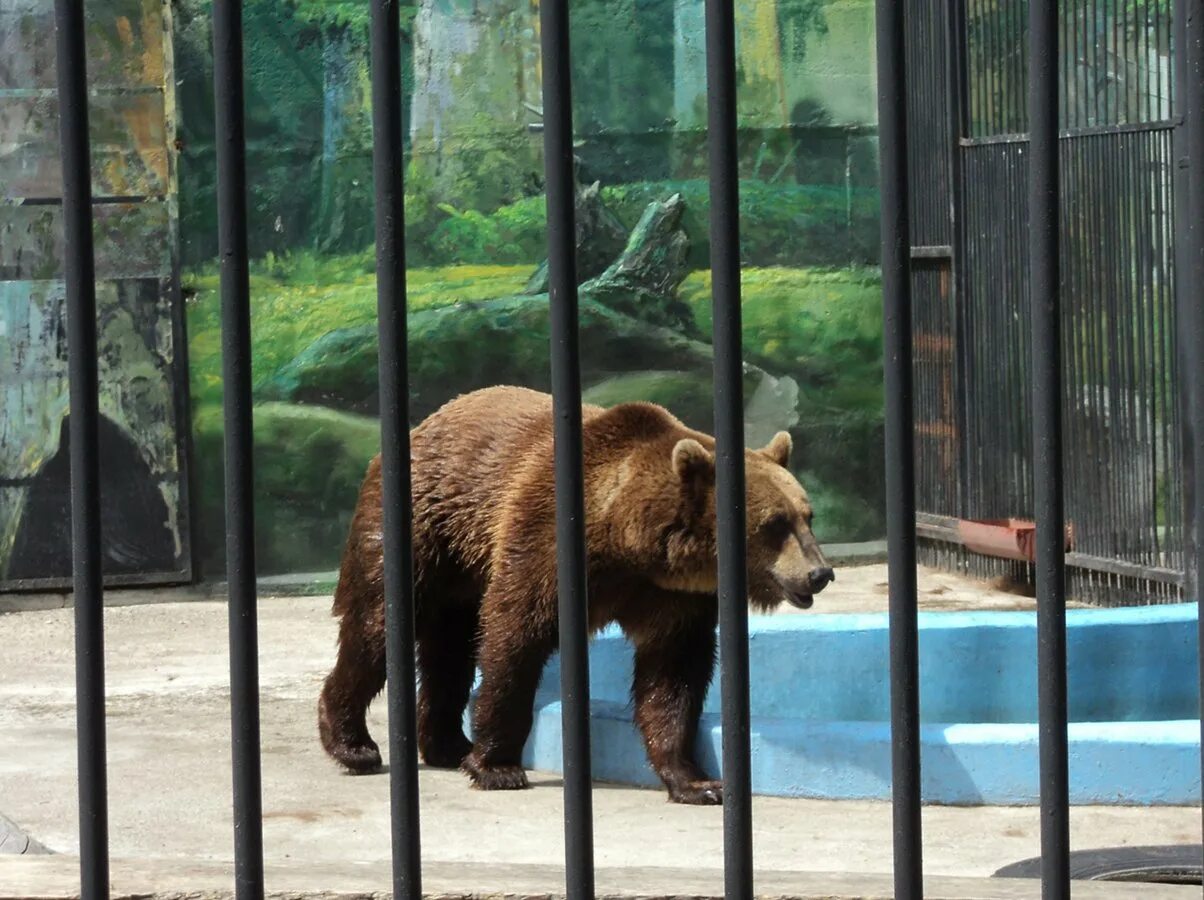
1045, 299
570, 482
240, 511
1186, 288
1192, 330
900, 451
729, 446
396, 498
79, 270
955, 62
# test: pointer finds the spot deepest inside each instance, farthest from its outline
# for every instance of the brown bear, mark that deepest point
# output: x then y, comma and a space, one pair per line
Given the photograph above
485, 578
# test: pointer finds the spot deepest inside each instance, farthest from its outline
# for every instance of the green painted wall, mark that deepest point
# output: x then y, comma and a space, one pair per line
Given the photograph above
475, 234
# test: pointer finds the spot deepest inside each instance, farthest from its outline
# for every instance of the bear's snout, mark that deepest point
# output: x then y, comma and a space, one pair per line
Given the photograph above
820, 578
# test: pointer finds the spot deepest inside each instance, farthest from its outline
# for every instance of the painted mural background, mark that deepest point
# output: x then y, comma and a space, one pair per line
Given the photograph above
142, 448
476, 236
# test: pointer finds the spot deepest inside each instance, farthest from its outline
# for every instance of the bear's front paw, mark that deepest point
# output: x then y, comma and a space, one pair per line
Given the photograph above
358, 759
698, 793
488, 777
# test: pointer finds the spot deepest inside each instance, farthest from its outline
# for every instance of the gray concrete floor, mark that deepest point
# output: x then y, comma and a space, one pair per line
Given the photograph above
169, 779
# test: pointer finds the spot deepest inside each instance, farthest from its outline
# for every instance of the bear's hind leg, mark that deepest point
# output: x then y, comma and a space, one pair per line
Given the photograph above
357, 677
673, 669
446, 663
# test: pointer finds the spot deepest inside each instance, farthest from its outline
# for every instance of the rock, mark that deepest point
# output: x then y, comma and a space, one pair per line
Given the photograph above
459, 348
600, 238
637, 340
309, 464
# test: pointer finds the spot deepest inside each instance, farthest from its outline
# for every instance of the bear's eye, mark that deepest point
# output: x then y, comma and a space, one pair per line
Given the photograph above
778, 526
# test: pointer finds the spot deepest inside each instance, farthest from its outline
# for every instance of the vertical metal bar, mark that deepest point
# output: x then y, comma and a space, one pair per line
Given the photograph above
1162, 326
955, 49
1192, 330
1124, 53
570, 482
992, 71
396, 501
1015, 41
971, 57
900, 451
240, 512
1045, 300
1080, 70
1143, 96
83, 423
1093, 36
729, 446
1186, 287
1117, 28
1166, 104
1069, 55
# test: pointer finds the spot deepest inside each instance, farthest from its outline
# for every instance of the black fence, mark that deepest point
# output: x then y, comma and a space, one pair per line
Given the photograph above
1048, 172
1124, 253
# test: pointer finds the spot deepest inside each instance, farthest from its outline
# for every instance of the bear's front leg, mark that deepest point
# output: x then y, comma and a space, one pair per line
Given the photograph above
673, 668
518, 636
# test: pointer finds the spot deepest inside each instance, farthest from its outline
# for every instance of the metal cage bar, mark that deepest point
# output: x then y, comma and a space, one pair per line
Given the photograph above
1191, 332
1046, 386
729, 447
83, 433
571, 572
396, 498
900, 451
1044, 261
239, 469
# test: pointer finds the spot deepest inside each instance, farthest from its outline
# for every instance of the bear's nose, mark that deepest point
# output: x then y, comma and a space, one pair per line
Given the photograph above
821, 578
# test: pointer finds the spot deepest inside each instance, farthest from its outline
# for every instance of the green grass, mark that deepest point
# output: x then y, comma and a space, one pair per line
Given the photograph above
821, 326
298, 298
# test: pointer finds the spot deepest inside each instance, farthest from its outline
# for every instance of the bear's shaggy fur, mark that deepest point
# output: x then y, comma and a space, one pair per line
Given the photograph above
485, 578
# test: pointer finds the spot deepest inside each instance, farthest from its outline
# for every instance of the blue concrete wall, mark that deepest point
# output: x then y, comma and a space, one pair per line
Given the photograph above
1135, 664
1123, 763
819, 707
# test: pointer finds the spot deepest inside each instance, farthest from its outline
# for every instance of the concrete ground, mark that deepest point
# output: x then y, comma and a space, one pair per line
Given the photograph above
169, 758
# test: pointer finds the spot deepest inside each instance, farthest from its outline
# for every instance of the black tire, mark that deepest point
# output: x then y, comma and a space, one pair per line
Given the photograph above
1167, 864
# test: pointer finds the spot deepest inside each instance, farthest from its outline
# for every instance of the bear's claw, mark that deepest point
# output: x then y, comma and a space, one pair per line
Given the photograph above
493, 777
358, 759
699, 793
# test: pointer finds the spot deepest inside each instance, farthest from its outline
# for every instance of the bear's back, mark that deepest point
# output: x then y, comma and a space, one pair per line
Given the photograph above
483, 464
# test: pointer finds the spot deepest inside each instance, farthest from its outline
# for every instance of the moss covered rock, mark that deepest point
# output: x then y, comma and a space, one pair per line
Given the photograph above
471, 345
309, 463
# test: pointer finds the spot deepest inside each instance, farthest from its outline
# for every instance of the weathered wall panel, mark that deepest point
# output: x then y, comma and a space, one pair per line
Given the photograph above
126, 44
129, 145
144, 496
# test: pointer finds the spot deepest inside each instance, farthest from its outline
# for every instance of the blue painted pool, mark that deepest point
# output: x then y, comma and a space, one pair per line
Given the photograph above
819, 702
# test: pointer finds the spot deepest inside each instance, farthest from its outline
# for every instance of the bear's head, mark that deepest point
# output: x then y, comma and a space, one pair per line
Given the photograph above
785, 563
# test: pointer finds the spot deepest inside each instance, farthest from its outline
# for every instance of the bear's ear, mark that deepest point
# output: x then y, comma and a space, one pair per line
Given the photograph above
691, 459
778, 450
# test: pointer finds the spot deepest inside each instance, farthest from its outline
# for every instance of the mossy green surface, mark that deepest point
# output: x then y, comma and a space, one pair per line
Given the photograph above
309, 463
298, 298
779, 223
